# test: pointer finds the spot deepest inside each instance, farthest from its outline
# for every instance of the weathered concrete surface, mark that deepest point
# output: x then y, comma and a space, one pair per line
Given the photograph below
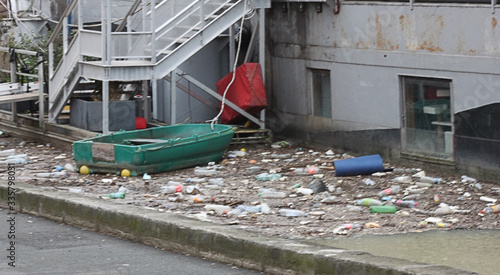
216, 242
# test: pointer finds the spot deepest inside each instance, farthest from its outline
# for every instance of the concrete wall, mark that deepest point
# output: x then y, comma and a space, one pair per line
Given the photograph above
366, 47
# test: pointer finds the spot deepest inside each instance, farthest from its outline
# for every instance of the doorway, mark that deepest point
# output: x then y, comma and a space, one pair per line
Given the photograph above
427, 127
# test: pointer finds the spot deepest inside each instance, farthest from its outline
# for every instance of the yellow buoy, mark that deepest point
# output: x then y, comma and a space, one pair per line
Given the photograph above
84, 170
125, 173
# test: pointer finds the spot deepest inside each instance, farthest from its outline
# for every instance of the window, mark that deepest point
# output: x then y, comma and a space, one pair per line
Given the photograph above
322, 99
427, 121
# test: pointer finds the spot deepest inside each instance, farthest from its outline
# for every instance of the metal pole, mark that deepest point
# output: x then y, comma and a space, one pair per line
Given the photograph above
232, 51
154, 90
13, 79
173, 97
108, 32
145, 101
105, 106
262, 55
41, 94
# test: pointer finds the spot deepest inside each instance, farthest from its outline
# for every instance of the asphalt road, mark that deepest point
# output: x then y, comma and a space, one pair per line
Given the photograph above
46, 247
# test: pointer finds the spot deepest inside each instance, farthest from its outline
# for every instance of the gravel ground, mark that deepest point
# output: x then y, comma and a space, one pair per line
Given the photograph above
219, 198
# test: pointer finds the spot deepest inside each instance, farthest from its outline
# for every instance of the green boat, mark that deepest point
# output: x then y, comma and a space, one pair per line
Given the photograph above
153, 150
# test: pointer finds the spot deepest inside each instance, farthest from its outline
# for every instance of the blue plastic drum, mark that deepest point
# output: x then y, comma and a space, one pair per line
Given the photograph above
358, 166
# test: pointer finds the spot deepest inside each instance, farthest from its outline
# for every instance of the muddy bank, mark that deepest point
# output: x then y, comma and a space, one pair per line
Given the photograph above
232, 192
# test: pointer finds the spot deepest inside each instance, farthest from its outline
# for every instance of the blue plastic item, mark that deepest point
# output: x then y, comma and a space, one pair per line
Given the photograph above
358, 166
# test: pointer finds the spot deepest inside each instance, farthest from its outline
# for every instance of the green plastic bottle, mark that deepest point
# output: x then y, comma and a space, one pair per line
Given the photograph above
118, 195
383, 209
369, 202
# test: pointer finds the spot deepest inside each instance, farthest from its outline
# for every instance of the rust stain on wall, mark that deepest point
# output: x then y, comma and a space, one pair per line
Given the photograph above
382, 42
494, 22
429, 46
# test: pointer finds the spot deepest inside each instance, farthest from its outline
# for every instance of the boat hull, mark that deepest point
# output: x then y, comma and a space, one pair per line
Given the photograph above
154, 150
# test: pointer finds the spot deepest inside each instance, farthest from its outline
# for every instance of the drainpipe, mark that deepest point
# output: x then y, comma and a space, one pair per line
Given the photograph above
262, 56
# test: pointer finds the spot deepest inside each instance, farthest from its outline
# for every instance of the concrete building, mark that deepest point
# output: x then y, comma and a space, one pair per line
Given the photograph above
406, 79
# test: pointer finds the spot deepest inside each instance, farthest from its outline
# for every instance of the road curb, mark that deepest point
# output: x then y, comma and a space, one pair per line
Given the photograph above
216, 242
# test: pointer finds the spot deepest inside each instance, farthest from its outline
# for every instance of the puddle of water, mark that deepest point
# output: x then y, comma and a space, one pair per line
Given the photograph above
475, 251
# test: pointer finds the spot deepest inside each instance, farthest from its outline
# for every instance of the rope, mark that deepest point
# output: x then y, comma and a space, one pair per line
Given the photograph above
240, 34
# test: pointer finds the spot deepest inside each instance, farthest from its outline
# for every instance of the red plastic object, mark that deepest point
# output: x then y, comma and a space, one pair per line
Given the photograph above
247, 92
140, 123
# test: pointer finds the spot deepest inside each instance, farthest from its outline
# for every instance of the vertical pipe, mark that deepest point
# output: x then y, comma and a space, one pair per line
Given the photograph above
153, 35
145, 101
232, 48
41, 94
105, 106
173, 97
106, 60
154, 84
80, 26
262, 55
154, 90
13, 79
108, 31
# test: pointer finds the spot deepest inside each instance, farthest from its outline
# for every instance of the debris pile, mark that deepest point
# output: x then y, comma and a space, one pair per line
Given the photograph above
277, 189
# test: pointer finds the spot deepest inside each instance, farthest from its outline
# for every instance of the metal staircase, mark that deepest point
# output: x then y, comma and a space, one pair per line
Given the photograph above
152, 40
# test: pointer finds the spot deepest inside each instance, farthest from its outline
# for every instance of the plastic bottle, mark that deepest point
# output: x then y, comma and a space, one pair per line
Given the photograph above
216, 181
75, 190
403, 170
443, 225
15, 161
409, 204
267, 177
437, 199
304, 191
247, 208
351, 226
383, 209
8, 152
412, 197
201, 171
196, 180
52, 175
465, 178
487, 199
118, 195
490, 209
123, 189
331, 199
69, 167
369, 202
353, 208
431, 180
402, 179
171, 189
217, 208
311, 170
388, 191
424, 184
369, 182
443, 209
272, 194
20, 156
291, 213
253, 170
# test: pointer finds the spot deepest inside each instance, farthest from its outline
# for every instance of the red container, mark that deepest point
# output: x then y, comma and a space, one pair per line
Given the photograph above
247, 92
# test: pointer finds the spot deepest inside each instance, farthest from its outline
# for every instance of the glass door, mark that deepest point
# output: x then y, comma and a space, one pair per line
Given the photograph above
427, 121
